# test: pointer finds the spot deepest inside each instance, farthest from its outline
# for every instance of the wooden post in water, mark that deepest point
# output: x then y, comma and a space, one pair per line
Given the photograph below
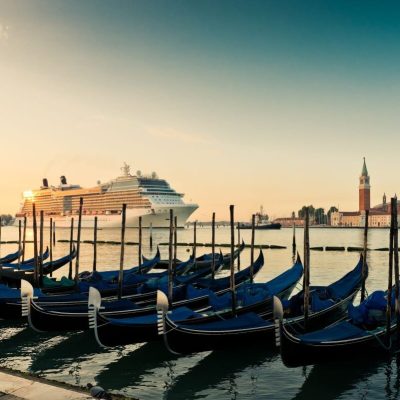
95, 244
175, 244
140, 245
121, 259
1, 226
253, 230
19, 243
78, 242
364, 265
306, 281
294, 237
238, 258
151, 235
35, 249
51, 246
232, 278
41, 249
194, 240
54, 233
213, 246
396, 268
24, 240
71, 245
390, 278
170, 275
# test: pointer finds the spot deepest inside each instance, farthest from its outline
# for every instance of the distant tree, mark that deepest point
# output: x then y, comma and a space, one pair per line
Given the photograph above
331, 210
311, 212
6, 219
320, 217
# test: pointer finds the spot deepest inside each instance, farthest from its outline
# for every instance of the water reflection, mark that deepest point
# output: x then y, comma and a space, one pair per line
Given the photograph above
218, 366
73, 348
133, 367
331, 380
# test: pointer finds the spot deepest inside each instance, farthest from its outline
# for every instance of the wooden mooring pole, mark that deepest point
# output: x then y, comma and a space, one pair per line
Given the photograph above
71, 244
294, 237
232, 277
122, 254
95, 244
213, 246
41, 248
306, 281
390, 278
35, 249
194, 240
51, 246
396, 267
175, 244
170, 255
78, 242
151, 235
54, 233
140, 245
19, 244
238, 258
364, 265
24, 240
253, 230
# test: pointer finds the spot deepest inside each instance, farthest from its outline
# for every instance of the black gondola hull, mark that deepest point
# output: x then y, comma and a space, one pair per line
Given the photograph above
295, 353
184, 340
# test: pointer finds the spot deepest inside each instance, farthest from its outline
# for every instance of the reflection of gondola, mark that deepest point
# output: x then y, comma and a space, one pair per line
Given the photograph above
215, 368
134, 367
18, 349
322, 383
73, 348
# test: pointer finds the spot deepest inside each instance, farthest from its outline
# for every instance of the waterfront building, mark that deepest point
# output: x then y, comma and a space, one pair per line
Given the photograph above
379, 215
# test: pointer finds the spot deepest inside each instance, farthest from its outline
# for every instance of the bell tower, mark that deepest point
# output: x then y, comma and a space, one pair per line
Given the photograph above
364, 190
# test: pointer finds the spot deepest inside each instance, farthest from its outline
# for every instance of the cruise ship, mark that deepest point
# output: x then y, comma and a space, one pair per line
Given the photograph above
148, 197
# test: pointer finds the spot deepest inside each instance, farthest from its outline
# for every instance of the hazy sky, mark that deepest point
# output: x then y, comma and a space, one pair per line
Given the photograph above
233, 102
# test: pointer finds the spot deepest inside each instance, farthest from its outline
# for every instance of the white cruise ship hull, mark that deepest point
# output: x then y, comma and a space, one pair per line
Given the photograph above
157, 217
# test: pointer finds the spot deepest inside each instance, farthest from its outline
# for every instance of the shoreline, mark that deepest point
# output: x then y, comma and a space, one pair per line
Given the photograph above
27, 386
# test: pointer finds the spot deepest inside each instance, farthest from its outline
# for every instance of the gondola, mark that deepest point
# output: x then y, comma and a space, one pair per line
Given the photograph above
362, 334
27, 272
10, 302
328, 304
11, 257
73, 316
110, 275
145, 286
206, 259
252, 297
27, 263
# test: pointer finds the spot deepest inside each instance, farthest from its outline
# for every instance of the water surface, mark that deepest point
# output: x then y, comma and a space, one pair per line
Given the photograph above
148, 371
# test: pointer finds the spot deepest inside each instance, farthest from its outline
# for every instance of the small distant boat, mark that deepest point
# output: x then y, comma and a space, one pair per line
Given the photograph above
269, 225
262, 222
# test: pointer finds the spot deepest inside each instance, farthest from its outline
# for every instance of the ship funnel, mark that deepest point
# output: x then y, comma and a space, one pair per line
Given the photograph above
45, 183
63, 180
